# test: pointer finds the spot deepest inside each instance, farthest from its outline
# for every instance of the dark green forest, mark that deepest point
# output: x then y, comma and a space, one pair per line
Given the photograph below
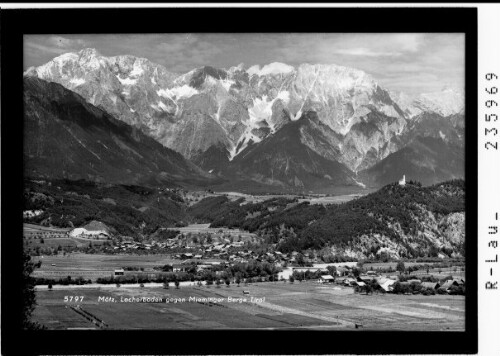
128, 209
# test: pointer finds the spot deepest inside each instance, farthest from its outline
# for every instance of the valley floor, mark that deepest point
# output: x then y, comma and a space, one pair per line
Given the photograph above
275, 305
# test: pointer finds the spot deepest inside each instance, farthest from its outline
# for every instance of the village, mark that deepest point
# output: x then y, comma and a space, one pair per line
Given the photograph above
200, 253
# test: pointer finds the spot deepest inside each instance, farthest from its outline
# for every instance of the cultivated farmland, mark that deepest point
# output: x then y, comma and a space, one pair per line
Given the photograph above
268, 305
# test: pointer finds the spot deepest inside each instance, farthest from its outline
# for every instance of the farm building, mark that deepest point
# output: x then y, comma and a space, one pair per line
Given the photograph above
365, 278
326, 279
430, 285
180, 268
360, 283
449, 283
342, 271
349, 281
288, 271
119, 272
414, 281
387, 284
93, 229
203, 267
213, 262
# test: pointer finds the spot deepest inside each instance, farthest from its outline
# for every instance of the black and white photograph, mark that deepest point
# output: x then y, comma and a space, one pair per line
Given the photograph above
275, 182
179, 181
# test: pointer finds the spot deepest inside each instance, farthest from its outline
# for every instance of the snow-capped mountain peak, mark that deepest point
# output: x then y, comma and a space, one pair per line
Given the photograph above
446, 102
230, 108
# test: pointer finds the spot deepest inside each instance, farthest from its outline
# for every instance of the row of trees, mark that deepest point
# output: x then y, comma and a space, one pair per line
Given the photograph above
62, 281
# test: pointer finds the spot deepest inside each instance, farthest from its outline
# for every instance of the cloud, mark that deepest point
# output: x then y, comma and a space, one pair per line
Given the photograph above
66, 43
406, 42
182, 53
329, 48
366, 52
39, 49
33, 47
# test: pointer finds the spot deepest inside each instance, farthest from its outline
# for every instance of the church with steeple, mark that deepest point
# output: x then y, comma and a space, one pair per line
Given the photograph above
402, 181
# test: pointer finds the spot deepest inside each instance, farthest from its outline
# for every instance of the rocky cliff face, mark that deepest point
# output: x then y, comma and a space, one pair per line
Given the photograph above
285, 159
228, 110
446, 102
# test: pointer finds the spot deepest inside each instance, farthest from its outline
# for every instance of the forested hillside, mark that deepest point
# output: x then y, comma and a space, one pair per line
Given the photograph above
405, 221
396, 221
128, 209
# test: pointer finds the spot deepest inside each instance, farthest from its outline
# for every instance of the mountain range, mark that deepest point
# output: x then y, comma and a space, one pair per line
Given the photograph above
305, 128
66, 137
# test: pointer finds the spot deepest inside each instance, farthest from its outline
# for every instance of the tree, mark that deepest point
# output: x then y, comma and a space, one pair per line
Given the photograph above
217, 282
400, 267
28, 292
166, 285
176, 284
291, 279
433, 251
227, 282
300, 259
332, 270
384, 256
238, 281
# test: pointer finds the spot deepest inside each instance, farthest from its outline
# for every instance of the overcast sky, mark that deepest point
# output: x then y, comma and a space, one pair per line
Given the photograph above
413, 63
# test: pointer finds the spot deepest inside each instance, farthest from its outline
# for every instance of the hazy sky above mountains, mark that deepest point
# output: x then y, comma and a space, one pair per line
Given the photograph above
413, 63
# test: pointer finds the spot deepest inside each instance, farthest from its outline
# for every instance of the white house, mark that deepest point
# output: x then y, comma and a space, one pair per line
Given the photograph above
387, 284
403, 181
83, 232
326, 279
